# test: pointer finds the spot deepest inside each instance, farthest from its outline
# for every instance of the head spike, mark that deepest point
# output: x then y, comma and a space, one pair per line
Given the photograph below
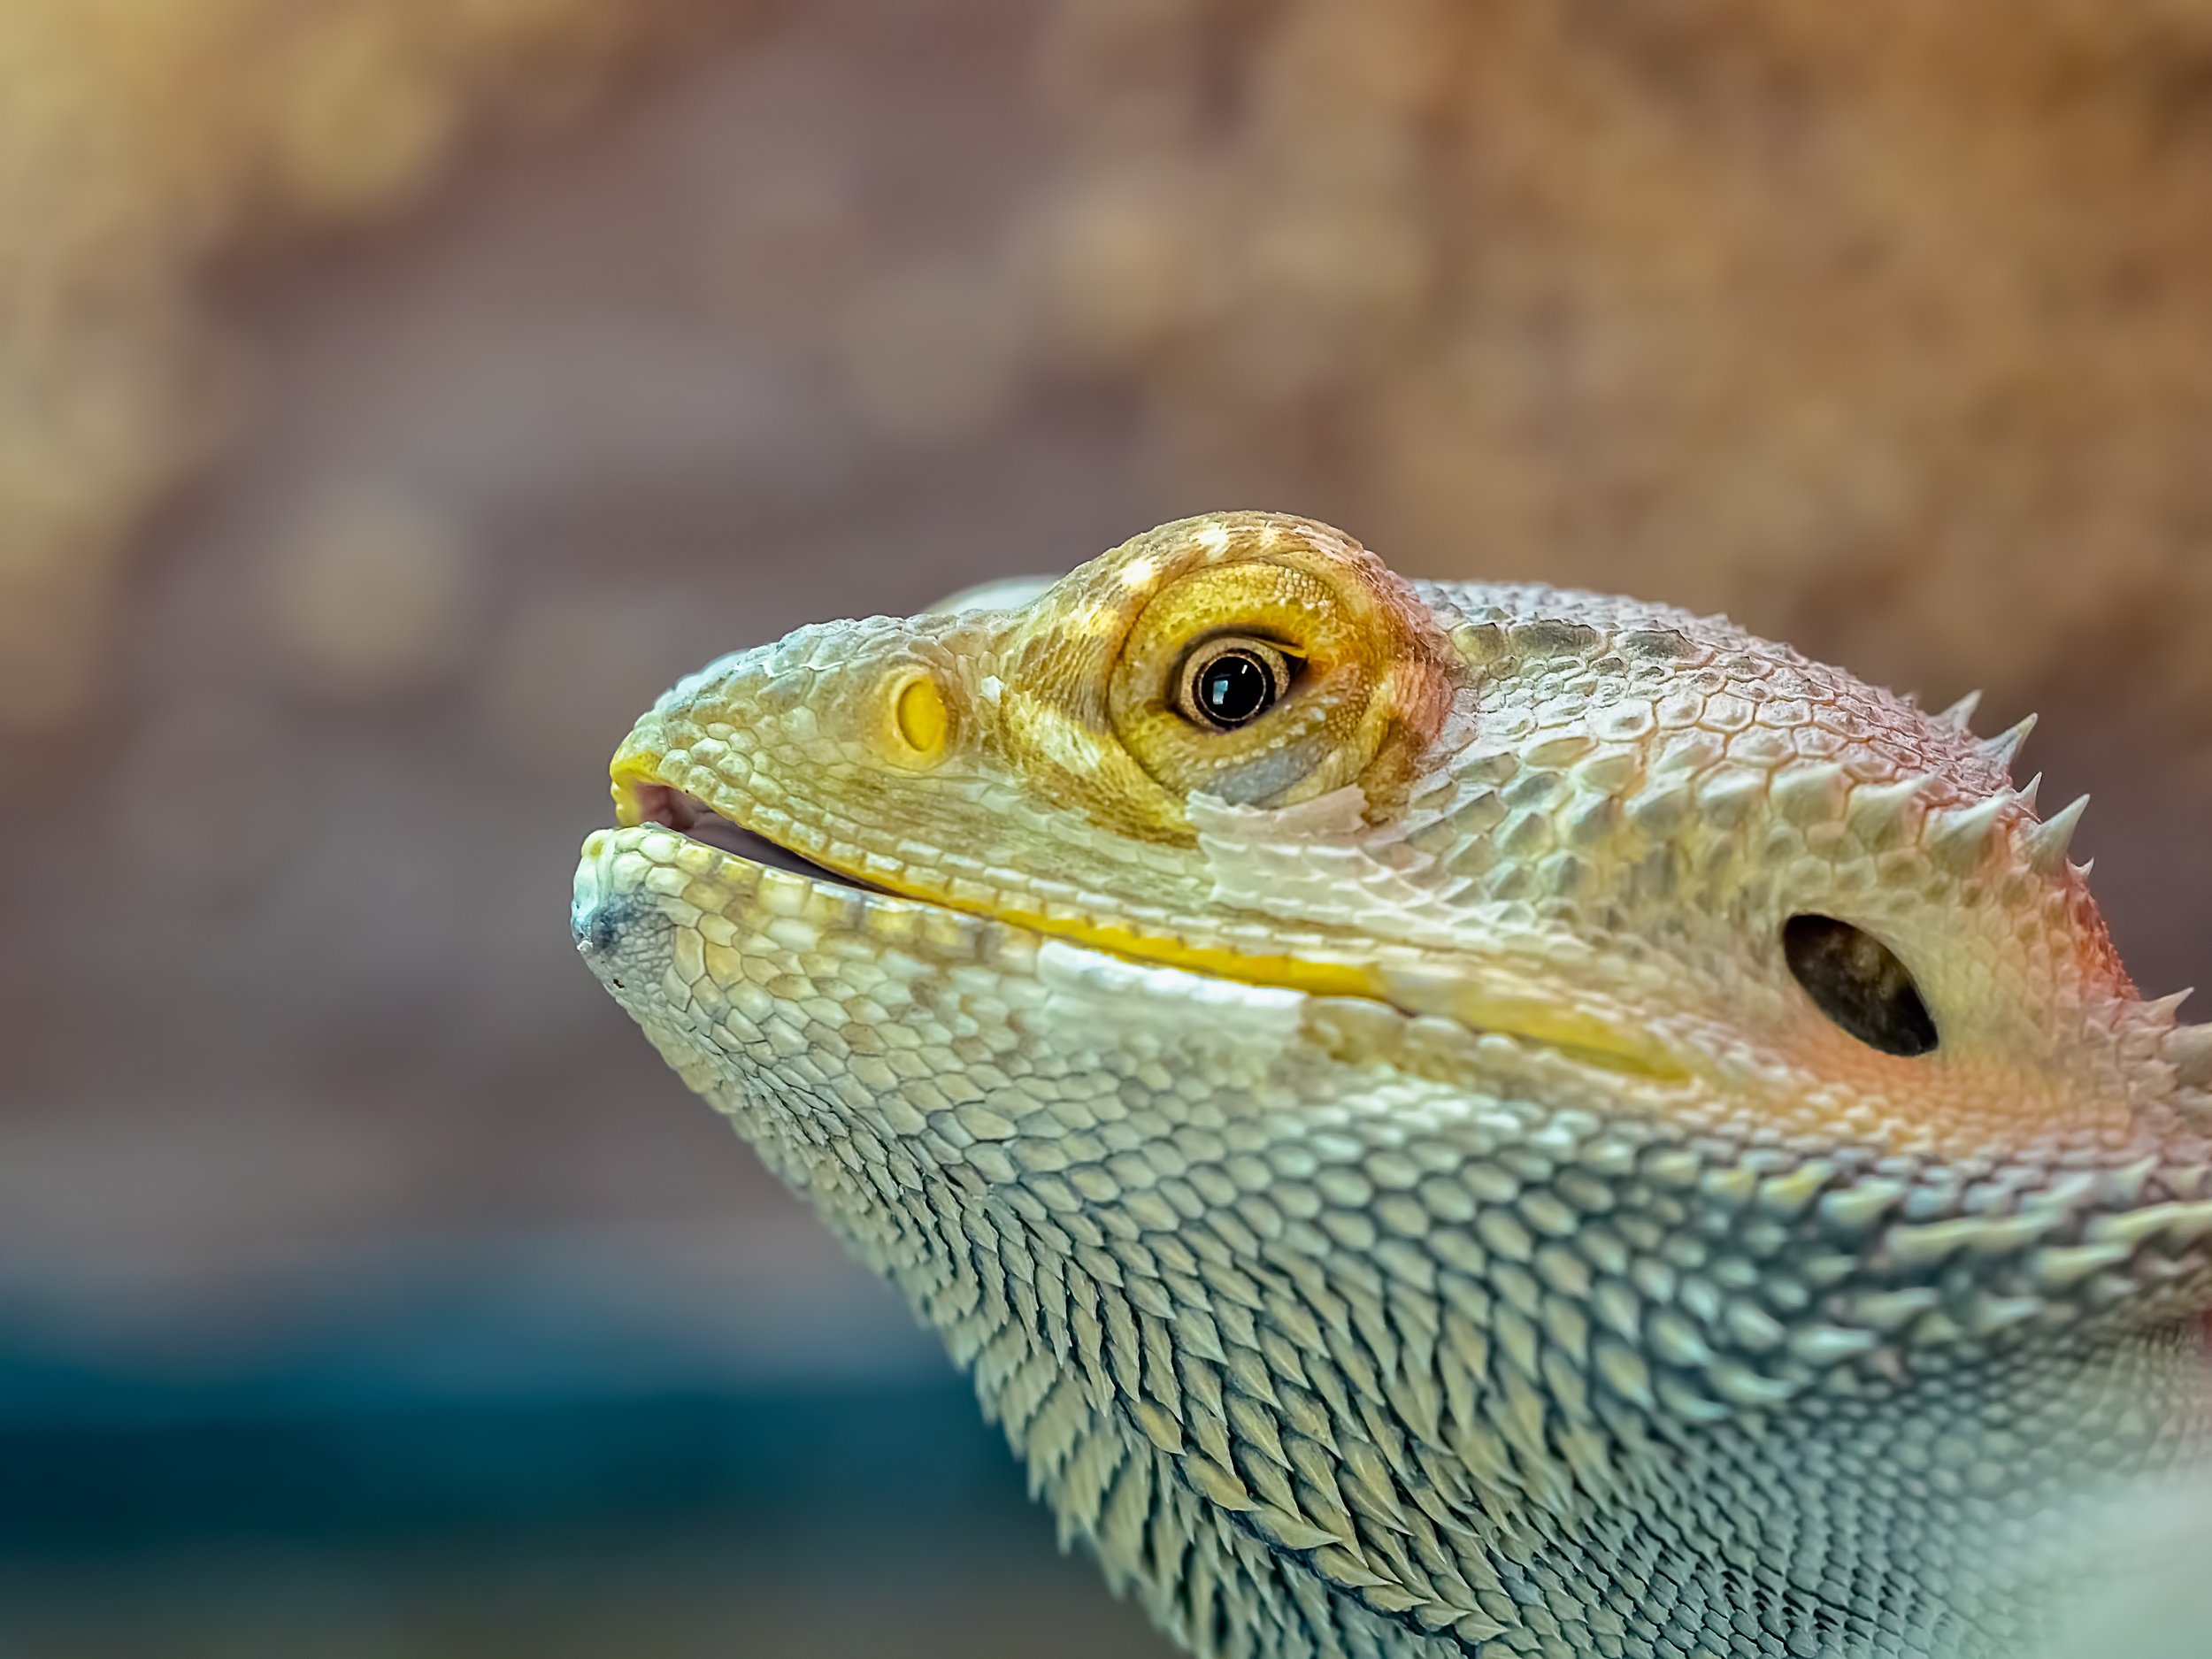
1960, 837
1960, 715
1880, 813
1810, 795
2047, 842
2162, 1010
2027, 792
2000, 749
2189, 1049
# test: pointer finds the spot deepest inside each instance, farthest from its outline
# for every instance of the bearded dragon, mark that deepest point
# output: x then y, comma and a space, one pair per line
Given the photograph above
1446, 1119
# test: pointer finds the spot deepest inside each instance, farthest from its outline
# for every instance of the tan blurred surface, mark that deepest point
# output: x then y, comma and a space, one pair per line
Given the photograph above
137, 143
1887, 329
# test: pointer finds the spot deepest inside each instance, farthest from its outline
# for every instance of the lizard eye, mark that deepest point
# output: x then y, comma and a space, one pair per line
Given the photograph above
1858, 982
1231, 682
1258, 680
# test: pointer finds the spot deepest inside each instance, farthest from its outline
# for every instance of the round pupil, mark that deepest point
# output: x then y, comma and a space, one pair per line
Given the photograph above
1233, 687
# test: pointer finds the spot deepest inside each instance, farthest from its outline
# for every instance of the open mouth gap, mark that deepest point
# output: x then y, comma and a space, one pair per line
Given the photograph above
693, 819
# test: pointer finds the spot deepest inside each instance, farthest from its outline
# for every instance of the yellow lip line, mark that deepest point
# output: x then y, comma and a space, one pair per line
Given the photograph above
1573, 1032
1320, 979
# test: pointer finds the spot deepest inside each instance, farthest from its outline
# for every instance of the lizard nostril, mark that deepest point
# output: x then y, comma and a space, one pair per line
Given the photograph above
1858, 982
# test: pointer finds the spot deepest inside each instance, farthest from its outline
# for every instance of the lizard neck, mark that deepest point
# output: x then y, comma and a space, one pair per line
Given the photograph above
1946, 1515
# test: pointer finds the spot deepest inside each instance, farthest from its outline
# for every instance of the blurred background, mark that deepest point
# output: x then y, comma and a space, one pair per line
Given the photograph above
395, 395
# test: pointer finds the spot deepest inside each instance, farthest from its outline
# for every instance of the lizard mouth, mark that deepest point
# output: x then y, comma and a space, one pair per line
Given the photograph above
641, 798
694, 820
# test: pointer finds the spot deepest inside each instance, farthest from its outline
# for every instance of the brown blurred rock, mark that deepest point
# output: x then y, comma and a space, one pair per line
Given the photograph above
136, 143
366, 595
569, 670
929, 354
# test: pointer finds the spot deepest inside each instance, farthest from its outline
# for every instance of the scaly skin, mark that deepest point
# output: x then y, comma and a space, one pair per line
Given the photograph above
1378, 1161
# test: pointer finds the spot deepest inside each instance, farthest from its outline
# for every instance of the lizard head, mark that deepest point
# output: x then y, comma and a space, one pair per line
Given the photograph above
1764, 897
1526, 996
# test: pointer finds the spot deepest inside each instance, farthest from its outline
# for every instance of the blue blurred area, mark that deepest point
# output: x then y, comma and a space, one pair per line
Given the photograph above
452, 1456
455, 1402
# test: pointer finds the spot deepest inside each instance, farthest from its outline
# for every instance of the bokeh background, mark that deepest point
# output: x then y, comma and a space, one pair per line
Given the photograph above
395, 394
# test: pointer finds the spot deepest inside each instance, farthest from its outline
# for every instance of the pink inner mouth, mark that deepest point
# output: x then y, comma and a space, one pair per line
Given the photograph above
694, 819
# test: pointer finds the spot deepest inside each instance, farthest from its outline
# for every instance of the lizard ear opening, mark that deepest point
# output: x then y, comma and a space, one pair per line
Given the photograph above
1858, 982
